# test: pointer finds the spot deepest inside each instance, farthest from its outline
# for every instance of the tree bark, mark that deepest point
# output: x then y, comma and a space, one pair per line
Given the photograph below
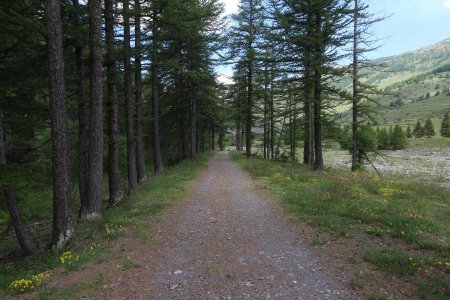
157, 159
355, 138
140, 158
193, 115
2, 140
62, 218
91, 207
115, 193
25, 242
249, 107
83, 137
131, 145
318, 163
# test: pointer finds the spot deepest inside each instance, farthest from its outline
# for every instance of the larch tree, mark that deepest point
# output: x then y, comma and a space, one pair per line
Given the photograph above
129, 105
62, 217
83, 138
115, 193
362, 93
157, 158
245, 35
140, 157
91, 206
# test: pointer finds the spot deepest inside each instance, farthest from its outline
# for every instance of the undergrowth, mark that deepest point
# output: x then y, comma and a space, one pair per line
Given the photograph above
92, 241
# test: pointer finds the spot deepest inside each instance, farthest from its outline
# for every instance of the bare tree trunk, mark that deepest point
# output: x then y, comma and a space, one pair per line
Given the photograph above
238, 136
91, 207
157, 159
318, 164
272, 116
24, 238
140, 159
249, 107
2, 140
62, 218
115, 193
193, 118
355, 138
131, 145
83, 134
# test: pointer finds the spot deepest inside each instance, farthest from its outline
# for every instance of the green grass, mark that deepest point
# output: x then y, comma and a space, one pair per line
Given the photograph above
91, 243
413, 217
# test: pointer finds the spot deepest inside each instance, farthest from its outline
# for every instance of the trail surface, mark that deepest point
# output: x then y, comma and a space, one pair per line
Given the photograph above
226, 241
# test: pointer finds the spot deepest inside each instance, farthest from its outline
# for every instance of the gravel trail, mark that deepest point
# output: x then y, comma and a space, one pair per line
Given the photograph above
226, 241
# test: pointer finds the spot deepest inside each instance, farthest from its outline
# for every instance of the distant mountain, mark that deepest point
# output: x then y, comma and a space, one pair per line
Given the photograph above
418, 86
400, 67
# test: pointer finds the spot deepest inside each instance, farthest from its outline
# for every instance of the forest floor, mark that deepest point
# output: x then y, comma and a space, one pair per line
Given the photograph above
225, 240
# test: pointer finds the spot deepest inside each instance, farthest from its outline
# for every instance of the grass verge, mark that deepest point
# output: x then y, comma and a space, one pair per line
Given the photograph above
93, 240
404, 225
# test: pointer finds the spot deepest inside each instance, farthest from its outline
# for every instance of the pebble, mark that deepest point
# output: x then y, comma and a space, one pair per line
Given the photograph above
177, 272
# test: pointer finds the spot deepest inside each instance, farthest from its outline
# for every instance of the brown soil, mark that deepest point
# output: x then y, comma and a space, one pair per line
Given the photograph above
225, 241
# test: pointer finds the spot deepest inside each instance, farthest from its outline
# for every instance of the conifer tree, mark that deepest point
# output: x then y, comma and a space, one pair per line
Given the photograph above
445, 126
418, 131
409, 132
428, 129
62, 217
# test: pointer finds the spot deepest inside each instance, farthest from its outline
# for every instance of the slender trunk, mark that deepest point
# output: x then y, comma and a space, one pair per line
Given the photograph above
157, 160
140, 158
62, 218
115, 194
272, 118
193, 116
318, 164
131, 145
83, 134
213, 138
355, 139
25, 242
248, 116
2, 140
238, 136
181, 124
308, 155
91, 207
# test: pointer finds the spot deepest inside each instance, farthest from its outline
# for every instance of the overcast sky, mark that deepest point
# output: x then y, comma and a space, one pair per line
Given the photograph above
413, 23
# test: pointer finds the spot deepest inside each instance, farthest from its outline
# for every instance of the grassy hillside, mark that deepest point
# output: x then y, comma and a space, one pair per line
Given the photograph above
417, 84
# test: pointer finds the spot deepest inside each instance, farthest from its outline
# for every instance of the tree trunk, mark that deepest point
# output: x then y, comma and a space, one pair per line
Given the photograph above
2, 140
181, 123
318, 164
91, 207
140, 159
248, 116
83, 134
355, 138
24, 238
157, 159
308, 155
115, 194
62, 218
131, 145
193, 116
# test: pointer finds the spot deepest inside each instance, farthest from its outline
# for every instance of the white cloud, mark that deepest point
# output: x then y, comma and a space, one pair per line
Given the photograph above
446, 4
231, 6
225, 78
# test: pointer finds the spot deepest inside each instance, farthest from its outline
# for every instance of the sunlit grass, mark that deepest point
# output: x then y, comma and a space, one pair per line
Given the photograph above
410, 214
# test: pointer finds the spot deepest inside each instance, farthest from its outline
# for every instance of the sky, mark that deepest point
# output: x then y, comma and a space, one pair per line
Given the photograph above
412, 24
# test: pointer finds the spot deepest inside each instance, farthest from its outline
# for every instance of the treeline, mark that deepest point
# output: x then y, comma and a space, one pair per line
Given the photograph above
110, 86
288, 60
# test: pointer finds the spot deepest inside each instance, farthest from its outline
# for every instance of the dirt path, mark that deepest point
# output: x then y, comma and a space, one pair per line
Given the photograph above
225, 241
